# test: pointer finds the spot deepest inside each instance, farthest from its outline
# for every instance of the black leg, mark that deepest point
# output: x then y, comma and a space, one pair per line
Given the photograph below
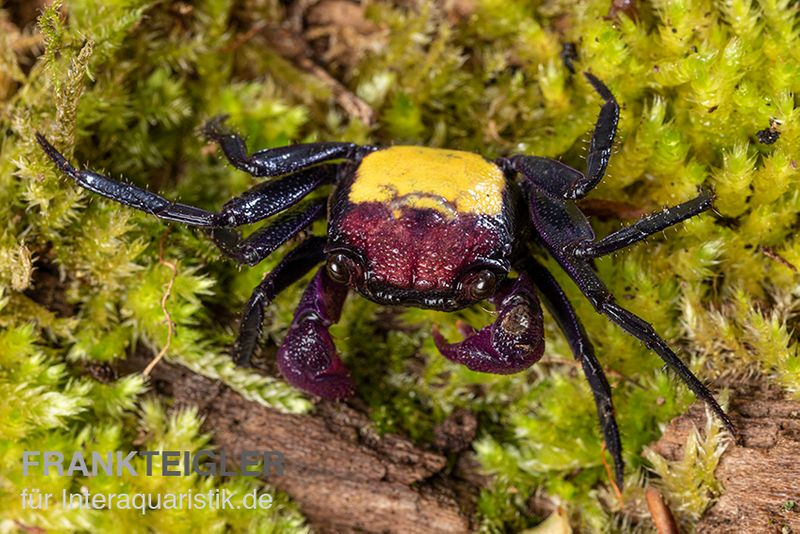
561, 227
643, 331
552, 177
602, 139
256, 204
568, 321
569, 54
276, 161
561, 181
291, 268
264, 241
269, 198
129, 195
645, 227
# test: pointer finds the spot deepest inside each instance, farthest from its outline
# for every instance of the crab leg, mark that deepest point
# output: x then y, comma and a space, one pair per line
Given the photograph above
307, 358
550, 176
564, 314
254, 205
268, 198
560, 181
644, 227
128, 194
276, 161
512, 343
562, 227
264, 241
291, 268
602, 140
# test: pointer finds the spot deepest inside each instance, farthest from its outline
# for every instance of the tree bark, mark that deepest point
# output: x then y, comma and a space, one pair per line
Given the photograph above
344, 476
761, 475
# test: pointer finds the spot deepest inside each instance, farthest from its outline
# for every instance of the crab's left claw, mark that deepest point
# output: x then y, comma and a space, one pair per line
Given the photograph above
514, 342
307, 358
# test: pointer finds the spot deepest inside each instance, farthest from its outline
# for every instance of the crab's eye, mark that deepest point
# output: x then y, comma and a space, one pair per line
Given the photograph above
342, 268
480, 285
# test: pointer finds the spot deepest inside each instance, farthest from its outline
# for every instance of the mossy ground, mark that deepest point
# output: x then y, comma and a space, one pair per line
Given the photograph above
124, 84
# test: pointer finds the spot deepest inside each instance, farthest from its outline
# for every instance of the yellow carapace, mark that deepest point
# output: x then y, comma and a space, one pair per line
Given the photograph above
449, 181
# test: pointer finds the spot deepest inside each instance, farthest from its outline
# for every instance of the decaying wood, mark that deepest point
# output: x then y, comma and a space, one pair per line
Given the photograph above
761, 476
344, 476
347, 478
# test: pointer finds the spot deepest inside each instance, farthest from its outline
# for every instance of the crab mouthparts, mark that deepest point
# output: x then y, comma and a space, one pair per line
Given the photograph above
395, 296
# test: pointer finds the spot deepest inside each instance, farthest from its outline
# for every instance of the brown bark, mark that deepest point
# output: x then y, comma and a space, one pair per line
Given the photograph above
343, 475
760, 476
347, 478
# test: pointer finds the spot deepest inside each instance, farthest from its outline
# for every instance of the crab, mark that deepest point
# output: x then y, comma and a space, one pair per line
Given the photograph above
424, 227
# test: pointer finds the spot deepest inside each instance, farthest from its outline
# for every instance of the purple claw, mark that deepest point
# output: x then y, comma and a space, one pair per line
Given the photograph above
512, 343
307, 358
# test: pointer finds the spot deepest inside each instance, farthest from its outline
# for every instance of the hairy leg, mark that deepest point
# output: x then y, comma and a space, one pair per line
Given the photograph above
127, 194
562, 228
602, 140
267, 199
291, 269
264, 241
256, 204
277, 161
644, 227
561, 181
582, 348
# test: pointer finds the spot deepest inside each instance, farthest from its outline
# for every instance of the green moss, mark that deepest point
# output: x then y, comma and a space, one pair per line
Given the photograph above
125, 86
